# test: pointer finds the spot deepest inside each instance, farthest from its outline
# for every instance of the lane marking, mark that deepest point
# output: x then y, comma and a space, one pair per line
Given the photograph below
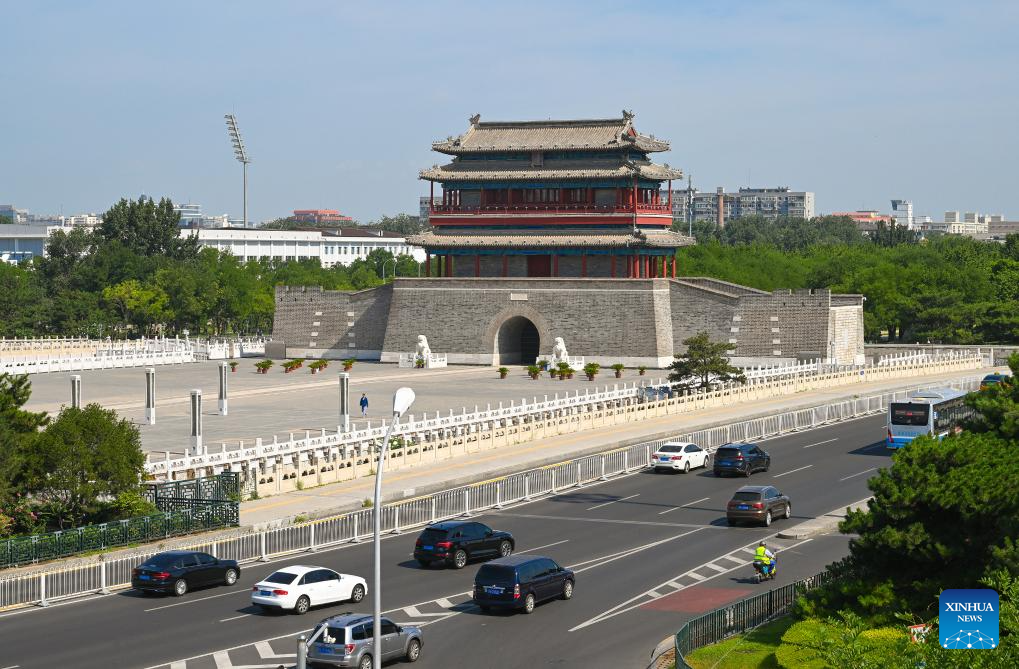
243, 615
179, 665
712, 565
793, 471
703, 499
865, 471
826, 441
640, 600
413, 612
621, 499
538, 548
444, 603
267, 653
193, 601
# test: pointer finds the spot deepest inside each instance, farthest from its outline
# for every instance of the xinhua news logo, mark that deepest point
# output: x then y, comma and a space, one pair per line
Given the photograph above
968, 619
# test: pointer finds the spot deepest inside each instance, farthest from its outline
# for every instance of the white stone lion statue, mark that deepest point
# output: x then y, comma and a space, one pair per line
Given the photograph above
559, 353
422, 351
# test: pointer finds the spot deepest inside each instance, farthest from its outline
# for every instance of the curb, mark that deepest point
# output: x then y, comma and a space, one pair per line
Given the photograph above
822, 524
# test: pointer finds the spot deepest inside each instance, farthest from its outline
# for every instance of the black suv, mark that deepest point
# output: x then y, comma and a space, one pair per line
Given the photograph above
520, 582
179, 571
742, 459
455, 542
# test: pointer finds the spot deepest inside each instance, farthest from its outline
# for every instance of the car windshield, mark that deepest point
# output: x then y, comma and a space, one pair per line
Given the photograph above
747, 496
160, 561
282, 577
669, 448
727, 453
907, 413
430, 536
491, 573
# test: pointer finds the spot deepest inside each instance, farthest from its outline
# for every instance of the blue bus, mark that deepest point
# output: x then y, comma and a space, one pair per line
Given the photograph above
936, 412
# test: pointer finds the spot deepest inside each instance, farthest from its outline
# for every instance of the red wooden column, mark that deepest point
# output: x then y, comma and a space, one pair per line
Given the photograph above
505, 265
665, 263
673, 267
647, 267
428, 264
449, 265
583, 264
629, 267
612, 266
477, 265
555, 264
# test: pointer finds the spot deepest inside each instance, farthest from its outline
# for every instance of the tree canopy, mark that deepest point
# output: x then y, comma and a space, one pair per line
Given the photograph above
704, 364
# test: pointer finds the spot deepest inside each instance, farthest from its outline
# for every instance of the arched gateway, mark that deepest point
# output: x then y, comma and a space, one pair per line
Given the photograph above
517, 342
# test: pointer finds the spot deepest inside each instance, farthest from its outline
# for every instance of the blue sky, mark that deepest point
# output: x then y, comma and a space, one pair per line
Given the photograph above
860, 102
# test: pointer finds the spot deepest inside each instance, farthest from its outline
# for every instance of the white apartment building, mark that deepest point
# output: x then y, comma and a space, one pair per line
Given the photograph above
331, 247
767, 202
81, 221
902, 213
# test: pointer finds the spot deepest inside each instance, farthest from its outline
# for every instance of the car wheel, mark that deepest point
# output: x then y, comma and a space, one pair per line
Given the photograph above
230, 577
302, 605
413, 650
366, 662
505, 548
180, 587
748, 471
788, 510
529, 603
707, 461
568, 590
357, 594
767, 518
425, 563
686, 468
767, 465
460, 559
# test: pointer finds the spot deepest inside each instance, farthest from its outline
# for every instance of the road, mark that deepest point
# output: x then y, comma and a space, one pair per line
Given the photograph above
651, 550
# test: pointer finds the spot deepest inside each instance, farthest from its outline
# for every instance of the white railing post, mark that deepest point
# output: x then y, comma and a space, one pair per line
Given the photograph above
578, 474
261, 547
354, 539
433, 509
311, 539
626, 461
103, 589
42, 590
467, 502
498, 495
527, 486
603, 477
396, 521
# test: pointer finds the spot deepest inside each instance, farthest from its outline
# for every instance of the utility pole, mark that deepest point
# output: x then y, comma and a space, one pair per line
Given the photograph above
689, 204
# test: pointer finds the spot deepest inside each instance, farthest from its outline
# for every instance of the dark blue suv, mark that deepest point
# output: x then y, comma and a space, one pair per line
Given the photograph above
741, 459
520, 582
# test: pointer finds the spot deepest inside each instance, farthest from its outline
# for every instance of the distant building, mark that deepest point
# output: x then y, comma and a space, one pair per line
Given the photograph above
321, 216
81, 221
11, 212
769, 203
425, 205
331, 247
902, 213
191, 216
21, 242
867, 221
952, 217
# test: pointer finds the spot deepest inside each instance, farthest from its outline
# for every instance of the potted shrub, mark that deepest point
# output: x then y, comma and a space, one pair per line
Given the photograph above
317, 366
533, 371
503, 371
543, 365
298, 363
263, 366
553, 373
641, 370
419, 363
619, 367
233, 365
347, 364
591, 369
290, 365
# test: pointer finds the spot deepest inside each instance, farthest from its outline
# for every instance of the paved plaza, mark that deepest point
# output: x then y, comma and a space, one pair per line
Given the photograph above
277, 403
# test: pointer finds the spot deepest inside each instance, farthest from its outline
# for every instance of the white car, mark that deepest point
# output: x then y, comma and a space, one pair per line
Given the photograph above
680, 456
300, 587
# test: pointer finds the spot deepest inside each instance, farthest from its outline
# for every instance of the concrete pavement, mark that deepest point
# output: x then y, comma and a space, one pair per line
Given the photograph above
322, 500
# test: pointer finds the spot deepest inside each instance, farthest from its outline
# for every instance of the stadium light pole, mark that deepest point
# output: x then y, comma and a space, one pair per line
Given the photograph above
241, 154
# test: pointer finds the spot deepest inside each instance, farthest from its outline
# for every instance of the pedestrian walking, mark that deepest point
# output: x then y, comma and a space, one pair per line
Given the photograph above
364, 404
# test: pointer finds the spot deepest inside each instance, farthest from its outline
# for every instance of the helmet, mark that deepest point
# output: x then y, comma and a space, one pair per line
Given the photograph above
761, 544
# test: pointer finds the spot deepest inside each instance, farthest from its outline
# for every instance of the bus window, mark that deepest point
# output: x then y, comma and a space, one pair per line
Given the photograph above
910, 414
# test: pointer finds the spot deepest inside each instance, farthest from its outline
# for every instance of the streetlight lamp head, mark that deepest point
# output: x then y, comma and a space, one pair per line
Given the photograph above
402, 400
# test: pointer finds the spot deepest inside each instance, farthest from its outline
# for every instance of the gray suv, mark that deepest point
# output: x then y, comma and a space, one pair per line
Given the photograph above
346, 641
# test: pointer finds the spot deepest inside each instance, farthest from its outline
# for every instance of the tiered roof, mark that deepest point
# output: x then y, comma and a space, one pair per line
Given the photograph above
553, 239
551, 170
578, 135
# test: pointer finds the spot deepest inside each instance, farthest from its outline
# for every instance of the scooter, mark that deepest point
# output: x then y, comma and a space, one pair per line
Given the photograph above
766, 571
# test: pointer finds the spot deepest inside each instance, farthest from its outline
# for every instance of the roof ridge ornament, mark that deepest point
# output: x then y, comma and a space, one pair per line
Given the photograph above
628, 115
476, 119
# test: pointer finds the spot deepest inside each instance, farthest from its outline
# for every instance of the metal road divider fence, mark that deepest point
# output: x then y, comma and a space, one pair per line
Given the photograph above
49, 584
742, 616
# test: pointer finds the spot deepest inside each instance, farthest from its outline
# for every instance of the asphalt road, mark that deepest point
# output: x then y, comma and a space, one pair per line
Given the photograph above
651, 550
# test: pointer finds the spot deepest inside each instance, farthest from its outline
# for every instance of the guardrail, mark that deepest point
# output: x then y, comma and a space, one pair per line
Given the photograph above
330, 456
742, 616
102, 575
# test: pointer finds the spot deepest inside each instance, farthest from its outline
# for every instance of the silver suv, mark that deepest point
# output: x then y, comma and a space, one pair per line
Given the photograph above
346, 641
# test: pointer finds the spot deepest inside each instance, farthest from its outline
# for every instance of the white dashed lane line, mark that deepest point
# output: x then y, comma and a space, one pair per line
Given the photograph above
793, 471
865, 471
826, 441
696, 501
621, 499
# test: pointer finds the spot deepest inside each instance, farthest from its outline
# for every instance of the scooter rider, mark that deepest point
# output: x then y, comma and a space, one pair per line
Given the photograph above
764, 557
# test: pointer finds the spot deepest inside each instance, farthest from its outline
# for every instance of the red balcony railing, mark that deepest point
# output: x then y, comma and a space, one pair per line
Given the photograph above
549, 207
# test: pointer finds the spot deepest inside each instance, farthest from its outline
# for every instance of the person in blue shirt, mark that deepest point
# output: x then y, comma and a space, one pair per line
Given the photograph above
364, 404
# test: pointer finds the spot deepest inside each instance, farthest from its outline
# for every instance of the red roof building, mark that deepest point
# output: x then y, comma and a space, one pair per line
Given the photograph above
320, 216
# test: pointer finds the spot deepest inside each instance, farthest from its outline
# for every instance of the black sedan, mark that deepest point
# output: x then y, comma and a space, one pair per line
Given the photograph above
179, 571
455, 542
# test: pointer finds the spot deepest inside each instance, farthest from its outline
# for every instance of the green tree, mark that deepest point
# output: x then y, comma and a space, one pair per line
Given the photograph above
83, 456
997, 407
939, 519
22, 302
147, 228
704, 364
6, 220
403, 224
18, 429
137, 304
893, 235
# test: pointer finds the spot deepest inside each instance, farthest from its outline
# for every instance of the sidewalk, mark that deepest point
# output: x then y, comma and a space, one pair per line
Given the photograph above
348, 495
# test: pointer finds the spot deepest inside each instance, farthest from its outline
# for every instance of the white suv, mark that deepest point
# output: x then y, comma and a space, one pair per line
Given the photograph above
679, 456
300, 587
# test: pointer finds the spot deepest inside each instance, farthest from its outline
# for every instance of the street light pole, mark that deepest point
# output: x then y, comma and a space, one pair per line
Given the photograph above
402, 400
241, 154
